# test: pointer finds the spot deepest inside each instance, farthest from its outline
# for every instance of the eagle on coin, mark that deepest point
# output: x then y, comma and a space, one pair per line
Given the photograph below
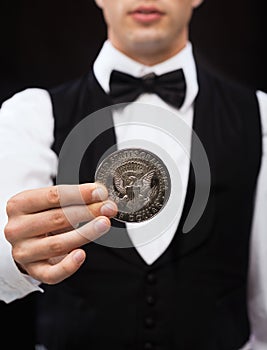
135, 189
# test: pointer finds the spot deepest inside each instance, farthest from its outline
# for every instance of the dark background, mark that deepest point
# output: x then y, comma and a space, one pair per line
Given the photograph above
47, 42
44, 43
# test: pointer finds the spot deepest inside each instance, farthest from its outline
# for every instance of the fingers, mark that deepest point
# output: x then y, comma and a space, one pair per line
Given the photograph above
55, 220
52, 274
33, 201
36, 250
33, 214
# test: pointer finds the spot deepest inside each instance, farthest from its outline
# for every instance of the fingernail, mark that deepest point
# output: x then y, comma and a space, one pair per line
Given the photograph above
78, 257
99, 193
101, 226
108, 209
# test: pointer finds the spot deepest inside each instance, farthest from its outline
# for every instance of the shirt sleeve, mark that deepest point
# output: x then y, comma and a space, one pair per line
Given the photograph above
27, 162
257, 296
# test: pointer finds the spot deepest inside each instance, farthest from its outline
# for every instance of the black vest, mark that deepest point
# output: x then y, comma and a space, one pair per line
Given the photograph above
194, 295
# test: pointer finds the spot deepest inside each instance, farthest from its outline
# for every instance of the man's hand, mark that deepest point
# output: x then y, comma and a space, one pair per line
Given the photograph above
41, 228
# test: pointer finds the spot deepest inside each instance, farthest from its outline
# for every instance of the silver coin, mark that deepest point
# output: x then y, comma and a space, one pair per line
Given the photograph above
137, 181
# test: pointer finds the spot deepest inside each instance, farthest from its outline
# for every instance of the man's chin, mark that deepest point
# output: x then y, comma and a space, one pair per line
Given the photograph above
149, 41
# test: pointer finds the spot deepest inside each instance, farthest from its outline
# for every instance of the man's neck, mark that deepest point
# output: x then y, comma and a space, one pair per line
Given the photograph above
151, 60
150, 55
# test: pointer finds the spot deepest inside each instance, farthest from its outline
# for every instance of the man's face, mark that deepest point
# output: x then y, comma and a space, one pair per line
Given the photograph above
147, 25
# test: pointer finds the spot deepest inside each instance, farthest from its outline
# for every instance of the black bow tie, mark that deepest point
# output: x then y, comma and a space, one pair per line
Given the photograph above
170, 87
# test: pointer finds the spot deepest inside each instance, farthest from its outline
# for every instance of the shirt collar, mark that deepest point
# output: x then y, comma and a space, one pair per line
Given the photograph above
109, 58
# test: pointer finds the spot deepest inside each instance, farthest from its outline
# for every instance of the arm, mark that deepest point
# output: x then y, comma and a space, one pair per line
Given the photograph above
26, 135
29, 236
257, 301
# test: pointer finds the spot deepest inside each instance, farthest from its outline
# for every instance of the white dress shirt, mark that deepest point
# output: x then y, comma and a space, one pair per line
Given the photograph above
26, 136
148, 243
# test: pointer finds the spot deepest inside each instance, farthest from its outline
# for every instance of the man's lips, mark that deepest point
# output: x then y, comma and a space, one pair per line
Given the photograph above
145, 14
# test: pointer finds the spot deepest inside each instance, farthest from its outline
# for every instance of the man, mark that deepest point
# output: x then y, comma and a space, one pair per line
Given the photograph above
179, 291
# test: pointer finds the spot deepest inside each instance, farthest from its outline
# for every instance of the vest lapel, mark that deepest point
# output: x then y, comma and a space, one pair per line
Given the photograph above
204, 112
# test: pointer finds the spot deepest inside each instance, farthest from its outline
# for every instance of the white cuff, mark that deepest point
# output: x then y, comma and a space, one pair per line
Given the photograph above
13, 284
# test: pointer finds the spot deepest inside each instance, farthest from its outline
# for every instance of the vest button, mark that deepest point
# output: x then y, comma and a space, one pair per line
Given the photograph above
151, 278
148, 346
149, 322
150, 300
